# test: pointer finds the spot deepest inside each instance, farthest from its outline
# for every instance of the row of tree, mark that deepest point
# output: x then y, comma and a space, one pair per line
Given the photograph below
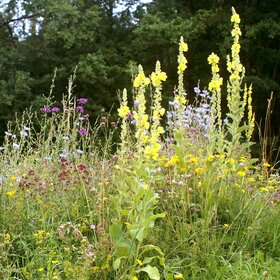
106, 43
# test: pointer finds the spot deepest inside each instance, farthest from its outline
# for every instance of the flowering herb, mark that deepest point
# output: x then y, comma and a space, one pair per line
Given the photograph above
80, 109
55, 109
83, 131
82, 100
46, 109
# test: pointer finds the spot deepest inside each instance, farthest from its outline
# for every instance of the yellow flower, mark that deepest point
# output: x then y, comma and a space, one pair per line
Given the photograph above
235, 48
215, 68
236, 32
123, 111
266, 164
193, 160
181, 68
174, 160
215, 84
210, 158
13, 178
231, 161
241, 173
162, 111
226, 225
183, 47
41, 269
264, 189
251, 179
213, 59
199, 171
235, 18
158, 78
139, 262
135, 278
10, 194
141, 80
178, 276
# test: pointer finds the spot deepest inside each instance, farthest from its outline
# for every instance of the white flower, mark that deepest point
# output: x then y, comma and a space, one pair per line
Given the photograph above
16, 146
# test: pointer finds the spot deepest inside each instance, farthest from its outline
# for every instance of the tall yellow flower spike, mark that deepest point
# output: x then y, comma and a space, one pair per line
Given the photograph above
153, 147
142, 119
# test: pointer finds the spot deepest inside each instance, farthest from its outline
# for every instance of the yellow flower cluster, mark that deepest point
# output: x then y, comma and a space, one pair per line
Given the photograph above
154, 146
142, 119
158, 78
123, 111
216, 82
141, 80
233, 65
173, 161
10, 193
215, 85
182, 61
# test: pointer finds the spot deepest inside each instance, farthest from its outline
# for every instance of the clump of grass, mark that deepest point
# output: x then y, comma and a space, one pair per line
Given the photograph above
185, 201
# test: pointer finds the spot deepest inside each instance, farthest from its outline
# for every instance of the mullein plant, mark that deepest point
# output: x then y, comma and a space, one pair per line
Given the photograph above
134, 206
235, 103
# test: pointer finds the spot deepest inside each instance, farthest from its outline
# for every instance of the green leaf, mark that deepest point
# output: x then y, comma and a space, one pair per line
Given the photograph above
124, 246
150, 247
152, 271
141, 235
117, 263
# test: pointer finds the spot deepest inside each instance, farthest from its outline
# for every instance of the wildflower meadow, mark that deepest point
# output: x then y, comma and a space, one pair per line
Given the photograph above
162, 193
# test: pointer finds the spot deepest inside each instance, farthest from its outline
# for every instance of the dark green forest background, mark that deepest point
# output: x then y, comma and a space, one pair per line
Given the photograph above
106, 45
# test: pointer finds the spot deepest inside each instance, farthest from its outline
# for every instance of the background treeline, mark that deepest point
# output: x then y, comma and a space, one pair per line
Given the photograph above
37, 36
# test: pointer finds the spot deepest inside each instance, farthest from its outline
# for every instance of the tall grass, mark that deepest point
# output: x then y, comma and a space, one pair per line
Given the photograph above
181, 201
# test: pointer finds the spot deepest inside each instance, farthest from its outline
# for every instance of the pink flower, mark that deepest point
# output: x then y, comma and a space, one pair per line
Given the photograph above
80, 109
46, 109
83, 131
82, 100
55, 109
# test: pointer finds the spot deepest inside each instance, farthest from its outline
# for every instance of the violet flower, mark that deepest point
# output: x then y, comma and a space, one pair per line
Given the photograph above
82, 100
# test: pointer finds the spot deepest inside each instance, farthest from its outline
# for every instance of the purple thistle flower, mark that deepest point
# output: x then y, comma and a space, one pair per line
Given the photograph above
82, 100
55, 109
46, 109
83, 131
80, 109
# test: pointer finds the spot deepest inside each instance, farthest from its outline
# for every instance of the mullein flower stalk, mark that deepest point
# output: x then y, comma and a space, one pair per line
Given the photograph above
142, 119
123, 112
237, 72
216, 115
153, 147
251, 115
180, 97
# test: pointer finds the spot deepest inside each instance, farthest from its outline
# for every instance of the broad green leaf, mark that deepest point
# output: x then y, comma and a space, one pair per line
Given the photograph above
152, 271
117, 263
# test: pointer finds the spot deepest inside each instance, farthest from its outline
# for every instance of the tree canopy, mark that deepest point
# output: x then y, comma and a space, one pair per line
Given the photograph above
106, 43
